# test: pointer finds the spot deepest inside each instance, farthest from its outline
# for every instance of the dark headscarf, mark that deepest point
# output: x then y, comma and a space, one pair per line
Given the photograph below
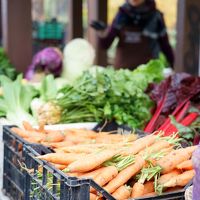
146, 16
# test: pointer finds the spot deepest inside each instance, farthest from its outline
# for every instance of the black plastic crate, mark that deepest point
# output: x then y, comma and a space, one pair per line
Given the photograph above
53, 184
70, 187
13, 172
13, 175
31, 185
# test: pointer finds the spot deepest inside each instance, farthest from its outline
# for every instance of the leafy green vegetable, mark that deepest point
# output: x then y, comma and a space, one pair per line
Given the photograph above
48, 88
110, 94
15, 102
6, 67
187, 133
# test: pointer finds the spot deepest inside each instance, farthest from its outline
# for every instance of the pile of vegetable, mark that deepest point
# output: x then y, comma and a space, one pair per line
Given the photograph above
6, 68
147, 166
178, 107
106, 94
98, 94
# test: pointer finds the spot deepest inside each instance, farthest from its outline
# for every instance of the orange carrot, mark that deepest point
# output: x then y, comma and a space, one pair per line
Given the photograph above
59, 166
180, 180
186, 165
27, 126
161, 144
166, 177
138, 190
54, 136
58, 151
105, 176
61, 158
75, 149
75, 174
167, 150
171, 160
92, 174
172, 189
58, 144
148, 187
93, 196
150, 194
140, 144
34, 140
125, 175
122, 193
91, 161
20, 132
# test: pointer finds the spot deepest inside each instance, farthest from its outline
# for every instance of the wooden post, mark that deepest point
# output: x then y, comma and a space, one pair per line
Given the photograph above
75, 26
17, 32
188, 37
97, 10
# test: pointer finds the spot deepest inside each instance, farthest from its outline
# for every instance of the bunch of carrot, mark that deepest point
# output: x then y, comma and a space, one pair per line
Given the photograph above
122, 165
69, 137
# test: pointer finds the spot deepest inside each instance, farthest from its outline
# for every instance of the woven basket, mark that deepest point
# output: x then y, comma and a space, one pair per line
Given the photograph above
188, 193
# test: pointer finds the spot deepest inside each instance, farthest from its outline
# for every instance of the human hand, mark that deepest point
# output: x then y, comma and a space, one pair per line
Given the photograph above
98, 25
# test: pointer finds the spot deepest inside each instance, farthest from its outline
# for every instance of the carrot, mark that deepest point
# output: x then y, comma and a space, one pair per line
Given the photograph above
61, 158
139, 145
180, 180
75, 149
30, 136
59, 166
148, 187
125, 175
54, 136
93, 196
167, 150
58, 151
186, 165
58, 144
20, 132
122, 193
92, 174
75, 174
161, 144
150, 194
34, 140
27, 126
176, 188
166, 177
138, 190
171, 160
105, 176
91, 161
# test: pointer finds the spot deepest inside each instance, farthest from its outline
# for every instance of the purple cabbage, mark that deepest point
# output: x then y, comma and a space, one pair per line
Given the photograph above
48, 61
196, 179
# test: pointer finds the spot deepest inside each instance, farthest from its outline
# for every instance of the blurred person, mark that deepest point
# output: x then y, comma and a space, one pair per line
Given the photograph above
142, 34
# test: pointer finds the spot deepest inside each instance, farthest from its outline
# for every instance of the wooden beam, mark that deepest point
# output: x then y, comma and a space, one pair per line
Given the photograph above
97, 10
188, 37
17, 32
75, 25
